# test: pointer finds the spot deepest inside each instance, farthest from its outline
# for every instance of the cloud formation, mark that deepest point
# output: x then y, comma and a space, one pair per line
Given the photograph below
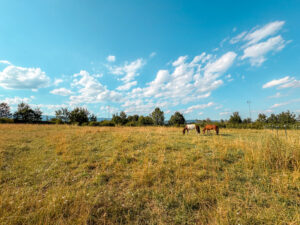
15, 77
61, 91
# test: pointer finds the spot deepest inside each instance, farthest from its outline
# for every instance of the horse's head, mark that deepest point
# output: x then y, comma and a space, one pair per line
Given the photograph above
183, 131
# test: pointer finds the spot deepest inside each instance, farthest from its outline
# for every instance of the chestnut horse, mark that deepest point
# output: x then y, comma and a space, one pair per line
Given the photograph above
211, 127
191, 127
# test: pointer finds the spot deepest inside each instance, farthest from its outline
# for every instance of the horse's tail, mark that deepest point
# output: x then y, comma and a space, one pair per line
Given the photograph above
217, 130
198, 129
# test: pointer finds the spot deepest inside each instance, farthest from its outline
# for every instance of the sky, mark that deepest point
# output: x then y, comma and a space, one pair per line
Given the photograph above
205, 59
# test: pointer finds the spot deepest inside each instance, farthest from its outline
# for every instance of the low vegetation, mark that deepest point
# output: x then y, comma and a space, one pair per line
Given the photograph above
62, 174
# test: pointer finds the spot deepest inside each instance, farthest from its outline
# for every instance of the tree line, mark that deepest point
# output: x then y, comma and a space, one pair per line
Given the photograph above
81, 116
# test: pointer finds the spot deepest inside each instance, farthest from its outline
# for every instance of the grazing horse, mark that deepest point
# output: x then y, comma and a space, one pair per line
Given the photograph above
211, 127
191, 127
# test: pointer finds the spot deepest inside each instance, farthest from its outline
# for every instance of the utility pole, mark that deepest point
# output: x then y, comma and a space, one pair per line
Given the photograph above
249, 102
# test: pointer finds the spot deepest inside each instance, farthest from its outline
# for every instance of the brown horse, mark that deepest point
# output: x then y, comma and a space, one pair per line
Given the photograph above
191, 127
211, 127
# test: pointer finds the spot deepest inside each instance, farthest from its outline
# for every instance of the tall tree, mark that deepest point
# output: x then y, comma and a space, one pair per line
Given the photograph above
273, 119
177, 119
261, 118
93, 118
4, 110
26, 114
123, 117
286, 117
79, 115
63, 114
235, 118
158, 116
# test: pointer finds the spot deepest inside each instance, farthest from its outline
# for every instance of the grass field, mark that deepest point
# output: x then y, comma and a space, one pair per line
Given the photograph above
147, 175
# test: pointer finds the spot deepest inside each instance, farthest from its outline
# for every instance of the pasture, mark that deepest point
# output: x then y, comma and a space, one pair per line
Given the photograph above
60, 174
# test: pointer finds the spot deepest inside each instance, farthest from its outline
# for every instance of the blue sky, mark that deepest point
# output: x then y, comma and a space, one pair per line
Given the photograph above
205, 59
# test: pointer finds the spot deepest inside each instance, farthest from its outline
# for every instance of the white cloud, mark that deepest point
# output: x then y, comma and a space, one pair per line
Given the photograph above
200, 106
292, 84
265, 31
91, 90
14, 77
130, 70
15, 100
126, 86
237, 38
256, 53
5, 62
224, 113
277, 95
277, 82
57, 81
152, 54
61, 91
278, 105
111, 58
285, 82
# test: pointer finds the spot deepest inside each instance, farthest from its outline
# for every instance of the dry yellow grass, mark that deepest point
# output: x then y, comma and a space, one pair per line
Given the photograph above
147, 175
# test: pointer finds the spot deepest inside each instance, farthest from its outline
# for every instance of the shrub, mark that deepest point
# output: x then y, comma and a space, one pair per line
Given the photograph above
6, 120
107, 123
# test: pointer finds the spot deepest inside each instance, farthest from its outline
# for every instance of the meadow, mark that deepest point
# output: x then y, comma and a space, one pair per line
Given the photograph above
62, 174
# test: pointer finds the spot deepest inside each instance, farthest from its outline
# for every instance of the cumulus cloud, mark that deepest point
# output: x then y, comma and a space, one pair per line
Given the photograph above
61, 91
15, 77
15, 100
111, 58
91, 90
126, 86
57, 81
189, 80
256, 53
129, 70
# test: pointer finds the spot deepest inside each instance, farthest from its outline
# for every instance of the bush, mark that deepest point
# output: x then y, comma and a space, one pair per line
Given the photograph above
6, 120
56, 121
94, 123
131, 124
107, 123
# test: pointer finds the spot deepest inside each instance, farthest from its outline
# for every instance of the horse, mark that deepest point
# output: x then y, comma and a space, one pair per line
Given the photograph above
211, 127
191, 127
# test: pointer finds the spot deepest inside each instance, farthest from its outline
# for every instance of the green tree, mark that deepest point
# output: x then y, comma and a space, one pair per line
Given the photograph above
93, 118
177, 119
26, 114
273, 119
286, 117
235, 118
79, 115
4, 110
145, 120
247, 120
63, 114
123, 117
262, 118
116, 119
158, 116
37, 115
